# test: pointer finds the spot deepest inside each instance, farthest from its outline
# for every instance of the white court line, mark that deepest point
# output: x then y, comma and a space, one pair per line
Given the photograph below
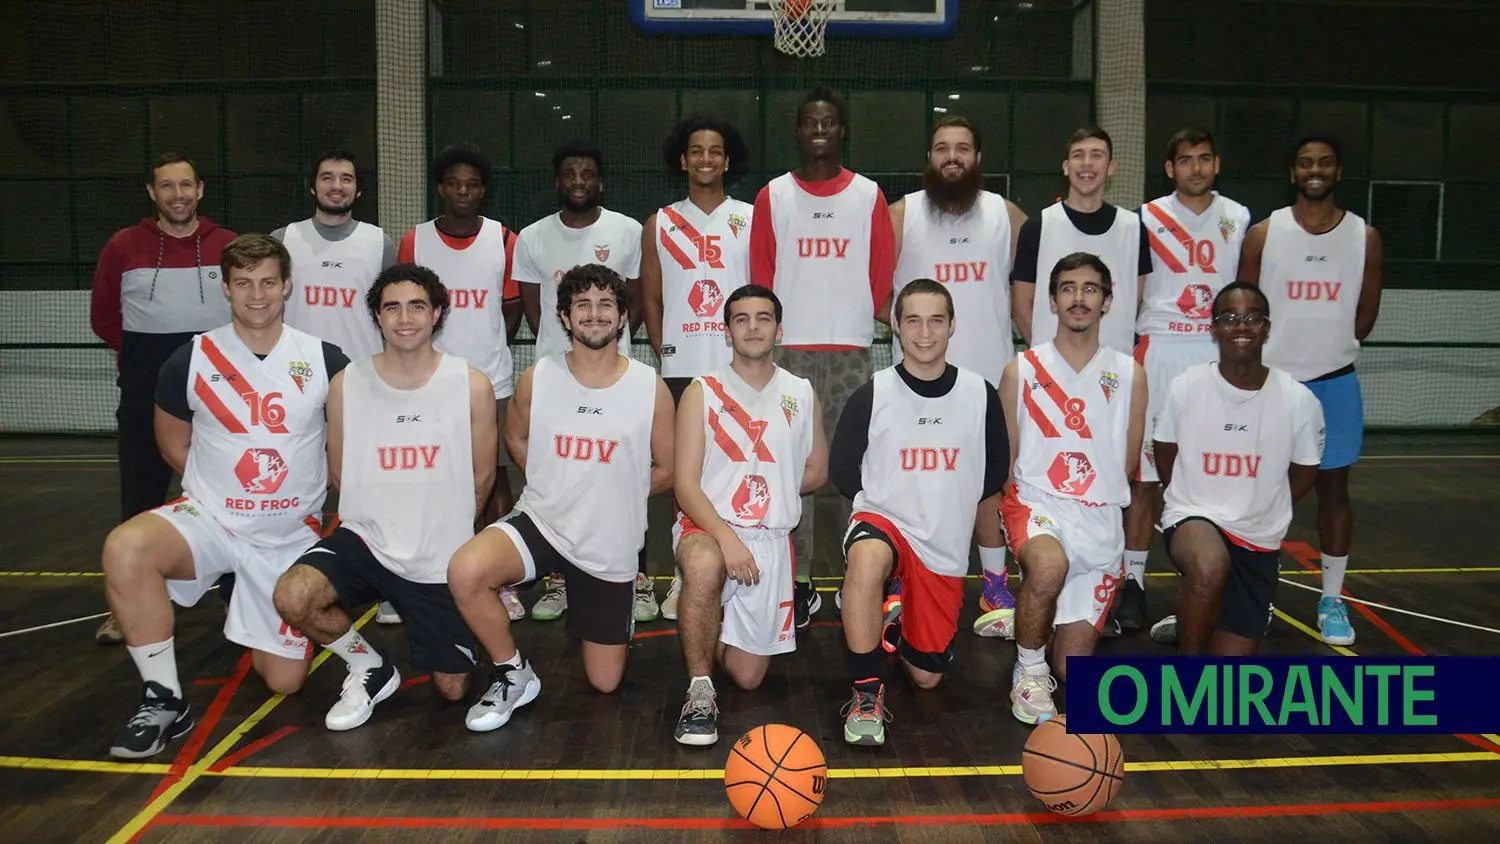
52, 625
1389, 608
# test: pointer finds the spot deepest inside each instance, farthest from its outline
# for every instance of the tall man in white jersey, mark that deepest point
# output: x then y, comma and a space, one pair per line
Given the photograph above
414, 466
582, 232
1321, 268
917, 448
1076, 412
240, 413
337, 258
822, 239
749, 442
1195, 236
592, 430
1250, 438
1083, 222
694, 254
964, 237
472, 254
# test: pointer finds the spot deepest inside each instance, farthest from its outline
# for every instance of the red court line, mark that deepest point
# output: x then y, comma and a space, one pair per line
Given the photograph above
210, 681
1009, 819
416, 681
251, 749
1311, 560
205, 728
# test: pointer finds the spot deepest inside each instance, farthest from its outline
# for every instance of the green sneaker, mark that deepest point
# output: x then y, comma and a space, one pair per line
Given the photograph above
554, 600
865, 716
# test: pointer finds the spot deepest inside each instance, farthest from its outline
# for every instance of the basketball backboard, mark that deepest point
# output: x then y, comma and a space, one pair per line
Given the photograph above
869, 18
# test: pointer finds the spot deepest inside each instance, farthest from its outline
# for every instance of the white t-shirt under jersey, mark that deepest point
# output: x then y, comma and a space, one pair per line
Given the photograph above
756, 445
703, 259
971, 257
1234, 448
588, 465
1313, 282
1193, 257
408, 468
548, 248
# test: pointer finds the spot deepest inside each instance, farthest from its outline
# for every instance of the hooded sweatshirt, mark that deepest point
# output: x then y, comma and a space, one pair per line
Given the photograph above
153, 292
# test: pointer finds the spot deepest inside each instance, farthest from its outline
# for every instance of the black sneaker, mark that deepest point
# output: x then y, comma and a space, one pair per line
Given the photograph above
226, 587
160, 718
1130, 608
806, 602
699, 725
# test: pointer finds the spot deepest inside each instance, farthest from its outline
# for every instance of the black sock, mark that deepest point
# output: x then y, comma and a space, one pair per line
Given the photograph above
864, 668
641, 560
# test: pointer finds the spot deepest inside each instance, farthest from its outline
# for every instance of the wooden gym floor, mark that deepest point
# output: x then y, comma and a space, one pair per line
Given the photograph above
578, 766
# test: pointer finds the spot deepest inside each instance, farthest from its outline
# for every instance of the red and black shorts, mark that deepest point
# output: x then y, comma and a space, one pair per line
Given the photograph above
930, 602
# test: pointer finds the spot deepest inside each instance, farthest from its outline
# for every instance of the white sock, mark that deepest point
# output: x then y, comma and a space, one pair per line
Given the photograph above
1333, 575
157, 664
993, 560
356, 651
708, 680
1032, 662
515, 660
1135, 566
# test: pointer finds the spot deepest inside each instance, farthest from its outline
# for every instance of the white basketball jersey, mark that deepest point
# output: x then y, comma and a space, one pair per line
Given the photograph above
823, 262
475, 277
971, 257
924, 466
257, 461
329, 283
588, 466
548, 248
1074, 426
408, 468
1313, 282
1119, 248
704, 258
1234, 448
1193, 257
756, 445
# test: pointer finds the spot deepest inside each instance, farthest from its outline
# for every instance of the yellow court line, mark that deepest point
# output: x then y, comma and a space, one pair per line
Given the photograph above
619, 774
88, 766
200, 767
1313, 633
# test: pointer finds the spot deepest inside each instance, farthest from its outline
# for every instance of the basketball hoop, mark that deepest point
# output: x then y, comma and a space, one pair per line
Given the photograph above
800, 25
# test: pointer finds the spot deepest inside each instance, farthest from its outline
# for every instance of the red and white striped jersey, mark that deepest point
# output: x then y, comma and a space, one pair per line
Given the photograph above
257, 461
756, 445
704, 258
1074, 426
1192, 257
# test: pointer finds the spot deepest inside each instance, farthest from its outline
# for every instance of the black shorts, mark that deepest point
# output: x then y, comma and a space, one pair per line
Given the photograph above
440, 640
677, 386
599, 611
1247, 603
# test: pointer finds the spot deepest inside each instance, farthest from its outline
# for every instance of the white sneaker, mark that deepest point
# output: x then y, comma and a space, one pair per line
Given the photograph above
503, 698
1165, 631
646, 609
512, 601
669, 606
1031, 696
387, 614
362, 690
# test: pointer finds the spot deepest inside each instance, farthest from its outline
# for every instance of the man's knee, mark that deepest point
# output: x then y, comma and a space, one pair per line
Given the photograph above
868, 560
302, 591
1044, 567
701, 562
129, 550
476, 568
282, 675
925, 669
748, 673
450, 687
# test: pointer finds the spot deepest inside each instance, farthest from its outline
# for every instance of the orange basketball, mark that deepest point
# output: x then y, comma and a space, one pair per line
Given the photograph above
795, 9
1072, 775
775, 776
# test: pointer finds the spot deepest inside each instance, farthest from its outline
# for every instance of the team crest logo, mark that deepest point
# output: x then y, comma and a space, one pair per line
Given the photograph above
737, 224
752, 499
1196, 301
1110, 383
184, 507
788, 407
1227, 227
706, 298
1043, 520
601, 253
301, 373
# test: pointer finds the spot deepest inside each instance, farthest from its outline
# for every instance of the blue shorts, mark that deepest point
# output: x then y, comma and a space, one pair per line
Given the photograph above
1343, 419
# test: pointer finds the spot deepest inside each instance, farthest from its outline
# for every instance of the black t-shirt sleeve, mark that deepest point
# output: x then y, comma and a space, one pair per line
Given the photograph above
850, 440
1144, 263
1028, 246
996, 446
172, 383
334, 359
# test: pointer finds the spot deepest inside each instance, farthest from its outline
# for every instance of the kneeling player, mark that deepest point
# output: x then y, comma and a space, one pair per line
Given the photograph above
917, 448
239, 412
749, 442
1076, 411
1251, 438
592, 430
413, 465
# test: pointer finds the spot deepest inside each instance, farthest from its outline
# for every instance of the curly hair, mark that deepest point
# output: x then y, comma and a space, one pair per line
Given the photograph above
586, 276
462, 154
676, 145
437, 293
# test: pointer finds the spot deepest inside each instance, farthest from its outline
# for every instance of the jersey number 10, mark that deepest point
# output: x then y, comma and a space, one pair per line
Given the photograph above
1200, 253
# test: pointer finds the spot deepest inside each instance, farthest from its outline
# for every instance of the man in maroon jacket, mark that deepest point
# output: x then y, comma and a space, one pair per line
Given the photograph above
156, 285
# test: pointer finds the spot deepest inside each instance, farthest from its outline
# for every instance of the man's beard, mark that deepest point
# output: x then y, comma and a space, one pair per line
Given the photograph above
588, 204
334, 210
604, 341
953, 198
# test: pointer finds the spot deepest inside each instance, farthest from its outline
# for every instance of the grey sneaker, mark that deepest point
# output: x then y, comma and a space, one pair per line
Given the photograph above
646, 609
510, 688
1165, 631
554, 600
109, 632
698, 726
669, 606
865, 716
387, 614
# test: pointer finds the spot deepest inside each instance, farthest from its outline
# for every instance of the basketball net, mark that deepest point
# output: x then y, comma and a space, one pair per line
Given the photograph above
800, 25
